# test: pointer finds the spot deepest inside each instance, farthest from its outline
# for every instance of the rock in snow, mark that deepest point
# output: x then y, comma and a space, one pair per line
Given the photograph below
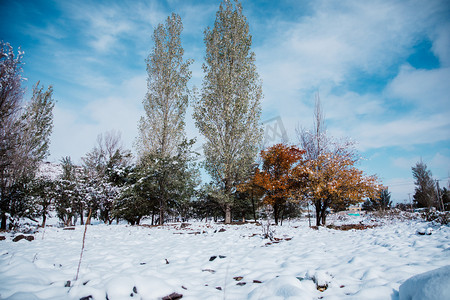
430, 285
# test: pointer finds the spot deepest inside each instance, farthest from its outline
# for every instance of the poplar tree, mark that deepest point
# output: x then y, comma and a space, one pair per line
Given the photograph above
162, 128
228, 113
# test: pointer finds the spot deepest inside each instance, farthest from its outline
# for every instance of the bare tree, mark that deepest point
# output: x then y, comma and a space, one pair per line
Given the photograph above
24, 133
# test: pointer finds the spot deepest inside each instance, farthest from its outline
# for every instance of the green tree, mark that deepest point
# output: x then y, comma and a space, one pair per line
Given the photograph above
228, 113
425, 194
162, 128
381, 202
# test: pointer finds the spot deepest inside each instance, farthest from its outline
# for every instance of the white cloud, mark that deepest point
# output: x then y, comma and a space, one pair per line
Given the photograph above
441, 44
326, 46
403, 132
429, 89
75, 131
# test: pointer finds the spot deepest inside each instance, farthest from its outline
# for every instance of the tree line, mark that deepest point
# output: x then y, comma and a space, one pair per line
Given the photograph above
163, 182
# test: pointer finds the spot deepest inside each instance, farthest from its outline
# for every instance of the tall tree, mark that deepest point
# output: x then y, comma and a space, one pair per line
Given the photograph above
425, 194
162, 129
228, 113
11, 95
37, 126
24, 133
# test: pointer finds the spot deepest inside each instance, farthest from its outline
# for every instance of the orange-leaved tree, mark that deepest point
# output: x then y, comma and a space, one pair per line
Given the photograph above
279, 161
333, 180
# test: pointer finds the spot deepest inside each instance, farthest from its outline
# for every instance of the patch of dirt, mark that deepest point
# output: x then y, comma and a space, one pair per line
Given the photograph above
346, 227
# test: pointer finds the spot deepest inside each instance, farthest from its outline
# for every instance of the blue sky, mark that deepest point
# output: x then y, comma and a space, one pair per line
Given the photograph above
382, 69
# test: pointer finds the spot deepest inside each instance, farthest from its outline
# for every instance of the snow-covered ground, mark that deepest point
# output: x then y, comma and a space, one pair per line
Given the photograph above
215, 261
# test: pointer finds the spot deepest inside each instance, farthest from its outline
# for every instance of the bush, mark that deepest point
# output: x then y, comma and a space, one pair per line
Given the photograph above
441, 217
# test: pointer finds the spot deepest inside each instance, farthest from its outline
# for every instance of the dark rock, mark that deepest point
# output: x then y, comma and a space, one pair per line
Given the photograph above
241, 283
86, 282
18, 238
222, 230
67, 283
135, 290
209, 270
218, 288
222, 256
87, 298
212, 258
2, 238
238, 278
322, 288
167, 262
143, 264
22, 237
183, 287
173, 296
69, 228
257, 281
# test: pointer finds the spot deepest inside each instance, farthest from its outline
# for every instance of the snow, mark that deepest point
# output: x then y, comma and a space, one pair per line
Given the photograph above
430, 285
50, 170
144, 262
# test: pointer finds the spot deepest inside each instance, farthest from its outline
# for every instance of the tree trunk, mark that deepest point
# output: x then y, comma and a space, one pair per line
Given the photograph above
81, 217
318, 206
161, 213
275, 213
44, 218
253, 206
324, 212
324, 216
227, 213
3, 225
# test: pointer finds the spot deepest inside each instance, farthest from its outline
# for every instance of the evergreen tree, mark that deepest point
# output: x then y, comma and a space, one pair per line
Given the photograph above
445, 196
425, 194
67, 197
382, 202
100, 174
228, 113
42, 197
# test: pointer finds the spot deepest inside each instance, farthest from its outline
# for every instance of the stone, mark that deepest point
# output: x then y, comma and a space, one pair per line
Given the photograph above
173, 296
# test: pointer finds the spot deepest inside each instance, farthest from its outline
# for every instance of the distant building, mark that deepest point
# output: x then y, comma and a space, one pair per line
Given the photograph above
355, 208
